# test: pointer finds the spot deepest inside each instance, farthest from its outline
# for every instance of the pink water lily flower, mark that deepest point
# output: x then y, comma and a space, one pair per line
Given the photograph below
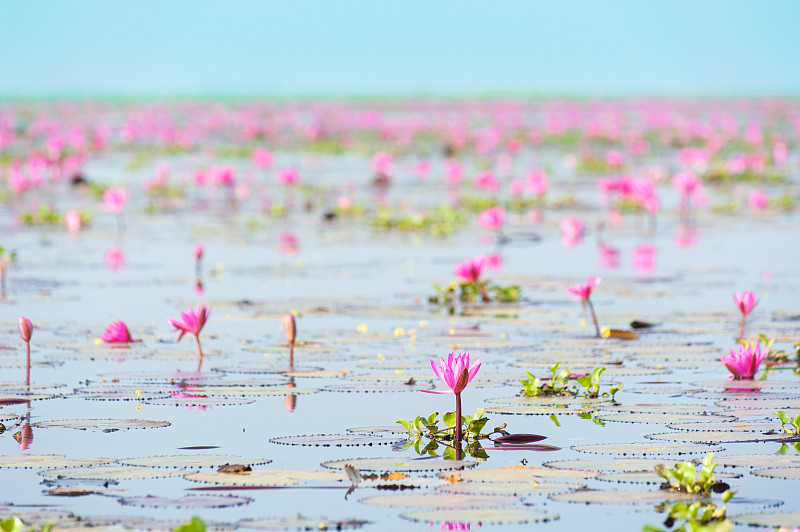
114, 199
450, 370
192, 321
73, 221
746, 302
492, 218
288, 176
582, 293
471, 270
571, 231
743, 364
117, 333
26, 332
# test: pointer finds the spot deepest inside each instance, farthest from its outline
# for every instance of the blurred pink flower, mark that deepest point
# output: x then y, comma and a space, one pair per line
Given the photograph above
745, 302
516, 187
571, 231
471, 270
609, 257
191, 321
686, 183
115, 259
743, 364
614, 158
582, 292
644, 258
73, 221
488, 182
198, 252
757, 200
262, 158
422, 169
289, 244
382, 163
114, 199
453, 172
537, 182
117, 333
288, 176
492, 218
685, 236
494, 261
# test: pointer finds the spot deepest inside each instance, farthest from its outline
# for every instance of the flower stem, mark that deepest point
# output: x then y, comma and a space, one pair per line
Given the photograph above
291, 354
28, 366
457, 439
594, 317
741, 326
199, 350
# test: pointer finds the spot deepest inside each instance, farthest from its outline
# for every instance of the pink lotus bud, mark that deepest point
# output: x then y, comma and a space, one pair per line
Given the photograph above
290, 328
25, 329
198, 252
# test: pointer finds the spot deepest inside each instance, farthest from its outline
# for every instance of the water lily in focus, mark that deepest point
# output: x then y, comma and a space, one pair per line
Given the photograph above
582, 293
744, 362
456, 372
117, 333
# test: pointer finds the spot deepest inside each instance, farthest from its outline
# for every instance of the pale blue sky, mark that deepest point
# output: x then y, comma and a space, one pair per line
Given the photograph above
321, 47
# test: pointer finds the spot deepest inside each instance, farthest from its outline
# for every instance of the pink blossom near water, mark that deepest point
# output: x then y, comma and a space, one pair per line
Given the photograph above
190, 321
644, 258
288, 176
582, 292
25, 328
449, 370
538, 184
743, 363
488, 182
117, 333
262, 158
382, 163
572, 230
471, 270
73, 221
114, 199
115, 259
609, 257
745, 302
757, 200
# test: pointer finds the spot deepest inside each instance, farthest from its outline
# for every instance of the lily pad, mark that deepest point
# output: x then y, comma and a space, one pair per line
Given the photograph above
104, 425
109, 472
517, 474
399, 464
187, 501
771, 519
623, 497
715, 437
644, 448
189, 461
300, 523
447, 501
788, 473
618, 464
699, 419
516, 489
278, 477
498, 516
337, 440
46, 461
758, 460
200, 401
738, 426
535, 410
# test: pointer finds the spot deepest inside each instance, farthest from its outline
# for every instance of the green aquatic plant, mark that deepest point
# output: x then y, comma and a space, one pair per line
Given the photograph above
685, 477
15, 524
195, 524
698, 516
793, 427
558, 385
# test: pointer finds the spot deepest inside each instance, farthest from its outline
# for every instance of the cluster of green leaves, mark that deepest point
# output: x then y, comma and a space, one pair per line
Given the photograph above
775, 354
15, 524
793, 424
7, 255
43, 216
442, 221
477, 204
194, 525
686, 478
595, 165
699, 516
469, 292
558, 385
428, 427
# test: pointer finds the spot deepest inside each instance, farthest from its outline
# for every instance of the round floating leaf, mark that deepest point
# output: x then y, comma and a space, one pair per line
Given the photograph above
700, 420
337, 440
634, 477
167, 377
548, 401
644, 448
771, 520
399, 464
516, 474
539, 410
774, 404
665, 390
737, 426
447, 501
371, 388
789, 473
105, 425
112, 472
663, 409
715, 437
187, 501
390, 429
279, 477
623, 497
124, 393
50, 461
248, 391
300, 523
758, 460
190, 461
497, 516
264, 370
618, 464
516, 489
201, 402
761, 412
